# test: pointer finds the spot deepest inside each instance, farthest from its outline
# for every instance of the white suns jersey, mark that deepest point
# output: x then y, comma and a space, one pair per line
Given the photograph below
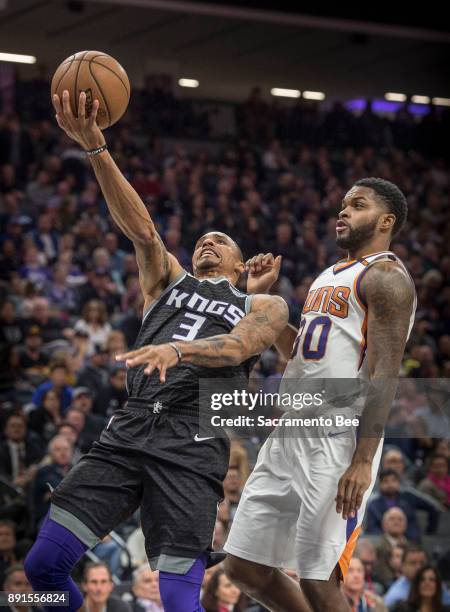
332, 341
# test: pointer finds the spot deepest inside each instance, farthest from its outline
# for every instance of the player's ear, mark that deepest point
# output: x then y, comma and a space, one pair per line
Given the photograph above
387, 222
239, 267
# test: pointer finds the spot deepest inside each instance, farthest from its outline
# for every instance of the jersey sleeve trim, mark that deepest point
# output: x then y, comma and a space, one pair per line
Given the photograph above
177, 280
368, 264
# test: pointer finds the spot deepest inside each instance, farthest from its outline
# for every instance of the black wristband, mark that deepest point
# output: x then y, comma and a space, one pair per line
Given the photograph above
96, 151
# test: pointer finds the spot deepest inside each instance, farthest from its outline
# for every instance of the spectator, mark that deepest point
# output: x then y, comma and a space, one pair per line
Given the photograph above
426, 593
11, 329
393, 459
51, 327
365, 551
99, 288
94, 322
31, 358
45, 237
437, 482
47, 417
7, 547
239, 460
147, 597
70, 433
109, 552
16, 583
414, 558
389, 571
97, 586
83, 400
232, 487
57, 382
20, 451
112, 397
11, 335
116, 254
86, 438
49, 476
353, 587
390, 496
58, 290
394, 525
221, 595
437, 422
220, 535
95, 374
115, 344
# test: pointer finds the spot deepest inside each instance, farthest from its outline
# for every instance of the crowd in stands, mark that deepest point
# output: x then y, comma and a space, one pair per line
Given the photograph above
70, 301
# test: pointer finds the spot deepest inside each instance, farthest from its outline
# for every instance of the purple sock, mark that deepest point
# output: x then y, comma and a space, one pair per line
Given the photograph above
50, 561
181, 592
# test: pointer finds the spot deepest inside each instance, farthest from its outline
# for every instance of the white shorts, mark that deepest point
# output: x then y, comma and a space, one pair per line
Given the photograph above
287, 514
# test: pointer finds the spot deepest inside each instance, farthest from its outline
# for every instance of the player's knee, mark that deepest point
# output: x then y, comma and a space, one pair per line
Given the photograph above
250, 577
315, 590
37, 564
46, 564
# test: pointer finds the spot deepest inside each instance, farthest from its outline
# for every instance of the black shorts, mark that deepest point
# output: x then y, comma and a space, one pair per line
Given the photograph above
152, 462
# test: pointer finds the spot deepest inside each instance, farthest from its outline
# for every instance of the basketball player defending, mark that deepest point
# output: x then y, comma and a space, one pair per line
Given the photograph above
150, 455
303, 505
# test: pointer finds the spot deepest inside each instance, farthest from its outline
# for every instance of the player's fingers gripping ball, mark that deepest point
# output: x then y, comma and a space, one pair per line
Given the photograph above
99, 77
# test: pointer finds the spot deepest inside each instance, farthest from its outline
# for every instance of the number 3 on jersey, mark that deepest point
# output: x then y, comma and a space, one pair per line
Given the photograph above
192, 328
315, 338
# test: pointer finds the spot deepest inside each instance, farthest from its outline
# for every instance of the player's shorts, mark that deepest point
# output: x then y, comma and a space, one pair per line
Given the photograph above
287, 514
152, 462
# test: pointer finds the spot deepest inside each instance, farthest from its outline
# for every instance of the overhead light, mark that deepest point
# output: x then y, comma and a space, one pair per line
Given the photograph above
285, 93
188, 83
441, 101
314, 95
420, 99
395, 97
15, 57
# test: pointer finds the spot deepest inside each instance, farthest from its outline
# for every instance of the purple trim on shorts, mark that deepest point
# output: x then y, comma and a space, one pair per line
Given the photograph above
351, 526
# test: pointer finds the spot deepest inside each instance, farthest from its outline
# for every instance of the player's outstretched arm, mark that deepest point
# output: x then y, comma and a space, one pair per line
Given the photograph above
389, 296
263, 271
157, 267
256, 332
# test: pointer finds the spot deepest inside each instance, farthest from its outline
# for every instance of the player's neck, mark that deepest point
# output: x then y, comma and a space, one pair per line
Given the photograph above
376, 246
215, 274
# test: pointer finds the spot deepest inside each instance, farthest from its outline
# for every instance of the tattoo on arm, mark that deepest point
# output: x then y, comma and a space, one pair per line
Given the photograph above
256, 332
390, 297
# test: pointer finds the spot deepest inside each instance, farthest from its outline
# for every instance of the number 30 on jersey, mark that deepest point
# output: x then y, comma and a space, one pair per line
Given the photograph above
314, 339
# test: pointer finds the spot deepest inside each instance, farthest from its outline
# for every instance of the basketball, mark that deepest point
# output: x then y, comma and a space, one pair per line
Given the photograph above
101, 77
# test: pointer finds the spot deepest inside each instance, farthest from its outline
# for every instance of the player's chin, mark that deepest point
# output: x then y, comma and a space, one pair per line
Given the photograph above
343, 239
208, 262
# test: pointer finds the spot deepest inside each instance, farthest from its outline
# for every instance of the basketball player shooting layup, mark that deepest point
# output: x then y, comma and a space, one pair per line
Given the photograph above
303, 505
150, 455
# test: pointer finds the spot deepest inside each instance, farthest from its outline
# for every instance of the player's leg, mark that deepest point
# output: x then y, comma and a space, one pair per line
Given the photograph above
262, 536
182, 489
325, 595
324, 540
99, 492
269, 586
51, 560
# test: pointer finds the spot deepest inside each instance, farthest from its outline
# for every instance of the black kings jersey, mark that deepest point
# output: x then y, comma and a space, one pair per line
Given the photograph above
188, 309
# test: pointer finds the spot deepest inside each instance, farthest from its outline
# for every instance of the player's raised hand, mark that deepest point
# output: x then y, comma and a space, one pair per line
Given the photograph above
160, 357
83, 129
351, 488
263, 271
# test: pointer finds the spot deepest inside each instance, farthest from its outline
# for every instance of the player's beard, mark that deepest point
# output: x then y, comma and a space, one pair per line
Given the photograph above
357, 238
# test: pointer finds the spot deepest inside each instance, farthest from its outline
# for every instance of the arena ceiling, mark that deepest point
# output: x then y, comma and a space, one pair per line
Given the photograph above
231, 46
